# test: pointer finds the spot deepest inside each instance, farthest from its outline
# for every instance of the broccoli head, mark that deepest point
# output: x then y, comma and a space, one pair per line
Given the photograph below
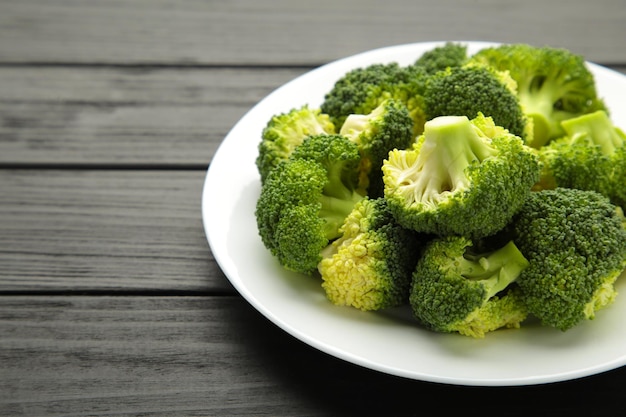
463, 177
387, 127
287, 130
591, 156
361, 90
449, 55
305, 200
575, 242
553, 84
369, 267
458, 289
469, 90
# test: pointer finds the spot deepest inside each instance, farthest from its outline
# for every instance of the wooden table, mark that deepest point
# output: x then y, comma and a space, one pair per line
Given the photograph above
110, 112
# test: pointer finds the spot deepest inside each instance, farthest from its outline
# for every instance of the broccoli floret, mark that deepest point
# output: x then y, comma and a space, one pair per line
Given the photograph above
457, 289
591, 156
469, 90
575, 243
361, 90
369, 267
451, 54
387, 127
285, 131
553, 84
305, 200
463, 177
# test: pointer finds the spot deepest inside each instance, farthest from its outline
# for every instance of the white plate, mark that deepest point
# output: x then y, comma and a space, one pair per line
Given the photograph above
389, 342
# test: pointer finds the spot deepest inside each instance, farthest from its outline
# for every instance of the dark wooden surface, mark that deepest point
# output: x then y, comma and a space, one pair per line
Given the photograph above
110, 112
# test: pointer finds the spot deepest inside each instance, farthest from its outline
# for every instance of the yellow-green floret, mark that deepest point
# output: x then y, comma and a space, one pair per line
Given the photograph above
369, 267
285, 131
575, 241
456, 288
463, 177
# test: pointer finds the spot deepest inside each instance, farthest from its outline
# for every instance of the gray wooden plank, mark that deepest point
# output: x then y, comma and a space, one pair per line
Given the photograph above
200, 356
76, 356
82, 230
283, 31
125, 116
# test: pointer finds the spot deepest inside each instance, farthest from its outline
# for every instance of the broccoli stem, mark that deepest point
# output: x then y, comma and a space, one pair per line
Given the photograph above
334, 212
598, 128
356, 124
539, 99
451, 144
497, 269
335, 186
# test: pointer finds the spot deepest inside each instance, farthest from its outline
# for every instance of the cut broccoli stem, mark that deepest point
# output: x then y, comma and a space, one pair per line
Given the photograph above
451, 144
598, 128
355, 124
334, 212
540, 100
335, 186
496, 270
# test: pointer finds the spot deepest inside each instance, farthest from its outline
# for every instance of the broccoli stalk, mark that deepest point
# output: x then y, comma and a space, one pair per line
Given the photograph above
598, 129
495, 270
334, 210
451, 145
457, 290
462, 177
538, 96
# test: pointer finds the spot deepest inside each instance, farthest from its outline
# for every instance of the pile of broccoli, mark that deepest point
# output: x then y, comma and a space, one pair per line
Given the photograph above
477, 190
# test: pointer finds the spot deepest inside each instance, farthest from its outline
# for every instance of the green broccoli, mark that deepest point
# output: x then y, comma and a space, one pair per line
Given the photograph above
451, 54
469, 90
361, 90
591, 156
285, 131
458, 289
575, 243
387, 127
463, 177
553, 84
369, 267
305, 200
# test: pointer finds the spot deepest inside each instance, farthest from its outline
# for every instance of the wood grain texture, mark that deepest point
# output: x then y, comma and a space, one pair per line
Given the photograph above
82, 230
125, 116
281, 32
201, 356
111, 302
